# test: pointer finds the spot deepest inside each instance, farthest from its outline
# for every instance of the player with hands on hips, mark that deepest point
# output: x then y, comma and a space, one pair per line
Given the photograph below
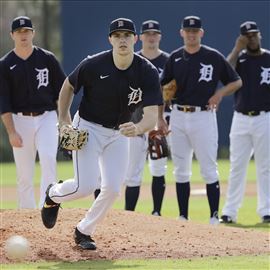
250, 130
150, 37
197, 69
114, 84
31, 79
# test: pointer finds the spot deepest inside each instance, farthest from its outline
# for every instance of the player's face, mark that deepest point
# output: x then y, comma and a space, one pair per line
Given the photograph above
23, 37
123, 42
192, 36
253, 42
151, 39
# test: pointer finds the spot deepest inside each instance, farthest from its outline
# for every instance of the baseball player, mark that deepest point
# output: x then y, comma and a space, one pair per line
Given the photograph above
31, 79
250, 130
114, 83
197, 70
150, 37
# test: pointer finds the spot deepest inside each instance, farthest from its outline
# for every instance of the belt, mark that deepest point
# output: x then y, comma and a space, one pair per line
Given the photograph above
187, 108
254, 113
111, 127
30, 113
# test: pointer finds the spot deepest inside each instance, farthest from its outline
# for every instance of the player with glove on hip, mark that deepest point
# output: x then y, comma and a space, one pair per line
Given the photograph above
197, 70
115, 83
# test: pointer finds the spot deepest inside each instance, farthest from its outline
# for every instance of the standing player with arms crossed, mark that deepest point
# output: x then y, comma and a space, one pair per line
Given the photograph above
150, 37
250, 131
114, 83
197, 70
31, 79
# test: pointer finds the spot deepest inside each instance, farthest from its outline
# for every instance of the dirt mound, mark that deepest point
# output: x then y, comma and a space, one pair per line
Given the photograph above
126, 235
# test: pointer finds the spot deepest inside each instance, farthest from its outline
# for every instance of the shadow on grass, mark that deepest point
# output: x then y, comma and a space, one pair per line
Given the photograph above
97, 265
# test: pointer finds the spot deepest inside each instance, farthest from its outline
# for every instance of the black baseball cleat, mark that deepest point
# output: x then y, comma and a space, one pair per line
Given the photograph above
266, 219
226, 219
49, 211
84, 241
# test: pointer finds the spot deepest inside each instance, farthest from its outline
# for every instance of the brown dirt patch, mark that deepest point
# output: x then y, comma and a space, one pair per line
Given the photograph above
128, 235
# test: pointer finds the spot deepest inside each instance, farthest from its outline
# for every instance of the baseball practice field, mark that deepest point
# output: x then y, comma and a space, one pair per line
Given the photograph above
138, 240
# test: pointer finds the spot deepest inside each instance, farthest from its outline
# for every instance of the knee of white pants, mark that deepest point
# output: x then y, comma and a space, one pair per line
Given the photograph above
111, 192
158, 167
210, 178
134, 182
182, 177
182, 180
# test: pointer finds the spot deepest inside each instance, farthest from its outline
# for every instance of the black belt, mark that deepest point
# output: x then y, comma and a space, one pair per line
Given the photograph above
254, 113
187, 108
111, 127
31, 113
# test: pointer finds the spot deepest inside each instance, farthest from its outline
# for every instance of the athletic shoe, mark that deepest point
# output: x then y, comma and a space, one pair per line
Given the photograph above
182, 218
266, 219
156, 213
214, 221
227, 219
49, 211
84, 241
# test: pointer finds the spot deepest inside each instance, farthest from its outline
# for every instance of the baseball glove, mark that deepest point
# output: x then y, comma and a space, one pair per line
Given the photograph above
72, 138
169, 90
157, 145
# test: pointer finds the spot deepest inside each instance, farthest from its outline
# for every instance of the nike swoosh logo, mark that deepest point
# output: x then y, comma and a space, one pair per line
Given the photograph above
103, 77
177, 59
12, 67
242, 60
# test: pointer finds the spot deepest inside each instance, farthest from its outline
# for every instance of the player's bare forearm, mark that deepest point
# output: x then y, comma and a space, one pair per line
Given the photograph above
226, 90
14, 138
149, 119
240, 44
65, 100
148, 122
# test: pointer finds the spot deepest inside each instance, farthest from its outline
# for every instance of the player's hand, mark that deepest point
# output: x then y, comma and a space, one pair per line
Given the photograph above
163, 126
241, 43
15, 139
214, 101
129, 129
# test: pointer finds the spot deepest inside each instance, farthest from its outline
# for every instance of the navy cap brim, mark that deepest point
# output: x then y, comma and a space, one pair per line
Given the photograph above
151, 30
25, 27
122, 30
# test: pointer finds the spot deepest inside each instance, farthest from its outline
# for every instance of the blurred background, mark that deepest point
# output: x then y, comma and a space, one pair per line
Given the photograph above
74, 29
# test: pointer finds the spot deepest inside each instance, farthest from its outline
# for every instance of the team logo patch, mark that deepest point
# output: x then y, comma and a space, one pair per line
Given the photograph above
120, 23
135, 96
22, 22
265, 74
191, 22
206, 72
150, 25
42, 77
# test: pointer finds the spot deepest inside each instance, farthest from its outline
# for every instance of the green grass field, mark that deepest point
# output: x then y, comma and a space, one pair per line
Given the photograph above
199, 212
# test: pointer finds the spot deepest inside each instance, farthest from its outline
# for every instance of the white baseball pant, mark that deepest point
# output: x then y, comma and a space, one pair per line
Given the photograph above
249, 134
39, 134
194, 131
108, 148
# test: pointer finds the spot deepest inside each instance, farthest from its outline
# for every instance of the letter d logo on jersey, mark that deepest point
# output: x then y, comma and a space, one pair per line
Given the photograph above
135, 96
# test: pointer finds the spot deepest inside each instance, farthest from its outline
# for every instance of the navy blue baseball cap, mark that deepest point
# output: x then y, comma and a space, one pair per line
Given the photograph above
21, 22
249, 27
192, 22
122, 24
150, 25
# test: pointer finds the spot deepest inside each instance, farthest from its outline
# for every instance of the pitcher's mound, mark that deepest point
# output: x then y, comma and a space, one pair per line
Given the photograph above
128, 235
